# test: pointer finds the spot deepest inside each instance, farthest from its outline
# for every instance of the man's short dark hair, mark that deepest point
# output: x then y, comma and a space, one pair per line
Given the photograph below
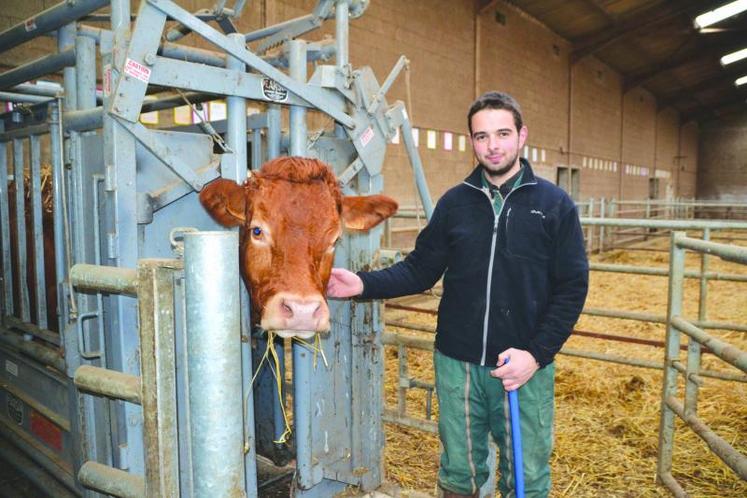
496, 100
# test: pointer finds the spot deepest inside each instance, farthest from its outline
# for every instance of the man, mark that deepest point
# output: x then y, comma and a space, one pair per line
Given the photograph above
510, 248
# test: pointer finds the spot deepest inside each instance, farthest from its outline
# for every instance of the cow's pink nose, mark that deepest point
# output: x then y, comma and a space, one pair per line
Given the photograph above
303, 311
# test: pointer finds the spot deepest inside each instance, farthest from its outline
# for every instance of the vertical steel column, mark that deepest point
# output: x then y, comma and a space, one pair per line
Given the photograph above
5, 232
417, 168
211, 269
297, 67
23, 290
236, 140
273, 131
590, 230
602, 228
342, 37
66, 41
236, 132
85, 72
693, 346
122, 235
308, 473
38, 232
674, 308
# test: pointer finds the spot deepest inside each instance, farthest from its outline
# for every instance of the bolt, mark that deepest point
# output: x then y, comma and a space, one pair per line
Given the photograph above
150, 59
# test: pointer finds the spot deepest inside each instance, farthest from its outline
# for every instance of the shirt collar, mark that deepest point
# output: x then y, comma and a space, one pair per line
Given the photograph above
506, 187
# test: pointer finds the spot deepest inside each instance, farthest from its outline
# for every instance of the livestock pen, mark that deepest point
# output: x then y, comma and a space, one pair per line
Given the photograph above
609, 375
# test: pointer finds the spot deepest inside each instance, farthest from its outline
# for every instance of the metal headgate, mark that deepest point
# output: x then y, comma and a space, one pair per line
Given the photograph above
121, 192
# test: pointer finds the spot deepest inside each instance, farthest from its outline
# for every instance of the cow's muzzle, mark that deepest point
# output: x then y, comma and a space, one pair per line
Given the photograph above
291, 315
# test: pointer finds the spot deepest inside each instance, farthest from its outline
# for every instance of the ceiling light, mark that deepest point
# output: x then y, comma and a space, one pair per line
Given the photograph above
741, 81
734, 57
718, 15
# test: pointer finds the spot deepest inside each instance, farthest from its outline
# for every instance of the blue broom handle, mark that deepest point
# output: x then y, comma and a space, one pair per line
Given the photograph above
513, 405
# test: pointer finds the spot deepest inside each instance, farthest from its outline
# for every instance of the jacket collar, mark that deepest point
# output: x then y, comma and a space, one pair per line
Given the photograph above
526, 178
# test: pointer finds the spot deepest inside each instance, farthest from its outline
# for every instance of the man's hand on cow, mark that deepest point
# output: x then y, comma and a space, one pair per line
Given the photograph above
518, 371
343, 283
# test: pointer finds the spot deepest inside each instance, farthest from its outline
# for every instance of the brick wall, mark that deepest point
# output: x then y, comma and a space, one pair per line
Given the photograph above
576, 114
722, 173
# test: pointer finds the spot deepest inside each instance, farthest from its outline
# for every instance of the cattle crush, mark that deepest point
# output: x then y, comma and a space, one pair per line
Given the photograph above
141, 383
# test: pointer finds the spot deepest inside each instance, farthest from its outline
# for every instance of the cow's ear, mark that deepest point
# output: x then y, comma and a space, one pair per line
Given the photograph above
364, 212
225, 200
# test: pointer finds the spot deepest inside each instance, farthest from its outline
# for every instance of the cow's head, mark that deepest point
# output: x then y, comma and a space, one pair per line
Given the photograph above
291, 214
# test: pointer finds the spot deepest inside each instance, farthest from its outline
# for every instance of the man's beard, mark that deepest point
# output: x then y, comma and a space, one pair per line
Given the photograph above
501, 171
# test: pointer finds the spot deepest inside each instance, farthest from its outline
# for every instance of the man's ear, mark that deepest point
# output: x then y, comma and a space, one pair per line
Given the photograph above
366, 211
225, 200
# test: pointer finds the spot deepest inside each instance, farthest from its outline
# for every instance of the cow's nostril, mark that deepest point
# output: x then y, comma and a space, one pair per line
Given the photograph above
287, 310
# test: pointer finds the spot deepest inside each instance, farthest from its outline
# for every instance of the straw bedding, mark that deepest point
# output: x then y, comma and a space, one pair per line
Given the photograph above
607, 415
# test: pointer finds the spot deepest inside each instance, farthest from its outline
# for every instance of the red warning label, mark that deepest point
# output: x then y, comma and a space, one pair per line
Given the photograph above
45, 430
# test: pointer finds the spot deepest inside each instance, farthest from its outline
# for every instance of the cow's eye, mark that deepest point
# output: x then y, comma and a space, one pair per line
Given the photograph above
256, 232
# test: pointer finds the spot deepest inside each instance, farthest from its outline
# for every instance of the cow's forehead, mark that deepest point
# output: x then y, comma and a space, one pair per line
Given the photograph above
310, 204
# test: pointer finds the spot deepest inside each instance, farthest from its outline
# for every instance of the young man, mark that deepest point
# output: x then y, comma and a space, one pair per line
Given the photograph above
510, 249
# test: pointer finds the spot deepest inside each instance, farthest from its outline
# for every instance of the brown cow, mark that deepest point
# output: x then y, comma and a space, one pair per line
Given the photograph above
291, 214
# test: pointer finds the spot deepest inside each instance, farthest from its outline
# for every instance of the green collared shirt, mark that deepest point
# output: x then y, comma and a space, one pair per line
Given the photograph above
498, 194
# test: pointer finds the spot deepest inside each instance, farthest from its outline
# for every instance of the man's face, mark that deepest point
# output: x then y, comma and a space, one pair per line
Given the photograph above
496, 142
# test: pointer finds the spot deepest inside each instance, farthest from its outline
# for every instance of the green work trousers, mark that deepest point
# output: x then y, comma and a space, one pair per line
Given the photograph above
472, 404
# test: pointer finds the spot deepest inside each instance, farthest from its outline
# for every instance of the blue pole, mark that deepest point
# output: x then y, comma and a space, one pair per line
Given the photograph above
513, 405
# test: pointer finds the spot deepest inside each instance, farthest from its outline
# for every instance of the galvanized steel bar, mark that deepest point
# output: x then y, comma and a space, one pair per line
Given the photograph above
40, 352
20, 97
32, 471
5, 233
158, 371
730, 354
55, 148
66, 43
417, 166
342, 31
317, 98
727, 252
19, 161
39, 89
110, 383
297, 67
236, 137
110, 279
192, 54
37, 233
111, 481
85, 72
214, 368
650, 270
48, 20
666, 224
722, 449
42, 66
676, 285
273, 131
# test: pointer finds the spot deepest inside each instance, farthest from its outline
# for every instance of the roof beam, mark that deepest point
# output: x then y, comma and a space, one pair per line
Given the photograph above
717, 108
656, 14
715, 50
701, 85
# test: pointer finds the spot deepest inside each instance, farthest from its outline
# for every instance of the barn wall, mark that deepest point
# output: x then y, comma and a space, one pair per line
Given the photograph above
722, 163
577, 114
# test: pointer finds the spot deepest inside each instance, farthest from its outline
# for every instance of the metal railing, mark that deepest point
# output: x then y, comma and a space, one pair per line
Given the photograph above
690, 369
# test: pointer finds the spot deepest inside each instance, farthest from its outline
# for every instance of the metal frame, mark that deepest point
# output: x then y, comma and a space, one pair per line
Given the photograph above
690, 369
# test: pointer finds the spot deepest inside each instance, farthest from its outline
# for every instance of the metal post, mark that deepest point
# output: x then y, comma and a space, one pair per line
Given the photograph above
18, 173
297, 67
342, 36
85, 71
308, 473
602, 229
211, 269
236, 140
273, 131
590, 232
66, 42
417, 168
693, 346
5, 233
666, 426
37, 232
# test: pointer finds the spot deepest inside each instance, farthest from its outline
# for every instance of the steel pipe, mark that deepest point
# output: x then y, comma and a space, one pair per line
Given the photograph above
48, 20
730, 354
211, 270
20, 97
109, 279
50, 357
111, 481
667, 224
42, 66
109, 383
727, 252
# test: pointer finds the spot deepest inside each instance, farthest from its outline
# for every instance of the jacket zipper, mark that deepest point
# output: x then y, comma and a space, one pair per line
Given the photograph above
489, 285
